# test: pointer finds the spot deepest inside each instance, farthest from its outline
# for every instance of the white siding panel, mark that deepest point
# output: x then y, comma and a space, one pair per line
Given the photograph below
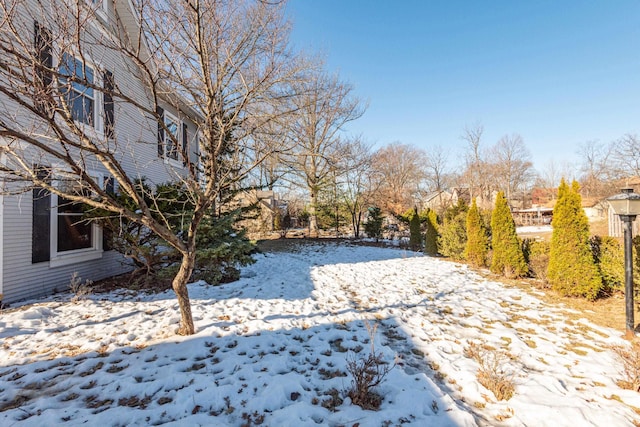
136, 147
24, 280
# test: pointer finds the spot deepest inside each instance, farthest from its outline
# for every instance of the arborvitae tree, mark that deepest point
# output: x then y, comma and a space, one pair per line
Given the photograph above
572, 270
507, 258
454, 234
431, 236
373, 226
475, 251
415, 236
609, 257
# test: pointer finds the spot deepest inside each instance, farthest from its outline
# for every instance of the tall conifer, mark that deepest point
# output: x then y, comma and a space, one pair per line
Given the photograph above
475, 251
572, 270
431, 234
507, 258
415, 237
453, 234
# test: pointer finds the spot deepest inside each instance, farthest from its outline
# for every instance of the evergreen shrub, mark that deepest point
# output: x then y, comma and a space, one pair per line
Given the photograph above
572, 270
373, 226
431, 236
477, 245
507, 257
453, 236
415, 236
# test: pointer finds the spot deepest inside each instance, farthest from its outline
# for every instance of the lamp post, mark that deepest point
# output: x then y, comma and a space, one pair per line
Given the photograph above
627, 206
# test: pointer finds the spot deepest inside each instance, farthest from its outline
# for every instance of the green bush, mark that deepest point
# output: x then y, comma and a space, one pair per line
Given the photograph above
537, 254
373, 226
507, 257
431, 236
220, 246
572, 270
609, 256
453, 237
477, 245
415, 236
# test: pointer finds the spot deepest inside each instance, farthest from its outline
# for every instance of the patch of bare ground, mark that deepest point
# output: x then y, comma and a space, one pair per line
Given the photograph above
132, 282
292, 245
608, 312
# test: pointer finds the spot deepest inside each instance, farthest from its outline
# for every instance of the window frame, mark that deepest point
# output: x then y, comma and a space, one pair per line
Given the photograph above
97, 125
99, 5
168, 142
60, 258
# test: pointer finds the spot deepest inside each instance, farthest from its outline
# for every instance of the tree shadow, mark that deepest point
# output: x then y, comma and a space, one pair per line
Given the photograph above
280, 377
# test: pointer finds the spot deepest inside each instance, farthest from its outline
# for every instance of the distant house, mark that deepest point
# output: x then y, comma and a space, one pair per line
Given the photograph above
261, 222
595, 209
532, 216
439, 201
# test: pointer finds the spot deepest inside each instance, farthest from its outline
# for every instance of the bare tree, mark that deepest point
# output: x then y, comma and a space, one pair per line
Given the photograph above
626, 155
399, 171
224, 65
437, 172
595, 171
354, 167
326, 106
477, 173
512, 164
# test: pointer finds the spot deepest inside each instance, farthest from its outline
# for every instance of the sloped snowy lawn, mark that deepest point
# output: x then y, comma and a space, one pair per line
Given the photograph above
272, 349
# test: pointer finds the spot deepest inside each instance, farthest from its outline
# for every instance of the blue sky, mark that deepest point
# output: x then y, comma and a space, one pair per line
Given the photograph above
559, 73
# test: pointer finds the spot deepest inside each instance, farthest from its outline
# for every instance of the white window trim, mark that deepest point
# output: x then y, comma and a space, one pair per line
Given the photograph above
100, 5
170, 160
97, 129
58, 259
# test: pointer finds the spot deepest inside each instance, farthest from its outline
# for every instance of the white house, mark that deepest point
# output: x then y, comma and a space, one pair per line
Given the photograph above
41, 242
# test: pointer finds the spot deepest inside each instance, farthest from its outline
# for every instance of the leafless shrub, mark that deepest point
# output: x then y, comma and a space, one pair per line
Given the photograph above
80, 290
629, 357
492, 373
367, 374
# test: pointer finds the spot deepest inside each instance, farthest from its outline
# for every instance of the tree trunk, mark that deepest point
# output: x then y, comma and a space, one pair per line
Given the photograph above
182, 293
313, 217
356, 218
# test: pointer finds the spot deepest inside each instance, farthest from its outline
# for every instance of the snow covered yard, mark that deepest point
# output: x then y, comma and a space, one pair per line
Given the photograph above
273, 348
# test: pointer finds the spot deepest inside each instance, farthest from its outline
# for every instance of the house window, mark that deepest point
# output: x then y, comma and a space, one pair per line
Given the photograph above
172, 140
173, 136
99, 5
78, 97
60, 235
72, 232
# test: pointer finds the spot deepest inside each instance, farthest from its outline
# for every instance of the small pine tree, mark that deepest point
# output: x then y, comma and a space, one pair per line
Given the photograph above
415, 236
572, 270
453, 237
431, 236
477, 246
221, 249
507, 258
373, 226
221, 245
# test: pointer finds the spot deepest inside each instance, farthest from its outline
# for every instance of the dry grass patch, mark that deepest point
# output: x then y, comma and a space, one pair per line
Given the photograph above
608, 312
492, 373
367, 374
629, 357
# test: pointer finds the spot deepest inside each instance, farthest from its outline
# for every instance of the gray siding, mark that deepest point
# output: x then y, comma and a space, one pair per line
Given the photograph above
24, 280
136, 145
